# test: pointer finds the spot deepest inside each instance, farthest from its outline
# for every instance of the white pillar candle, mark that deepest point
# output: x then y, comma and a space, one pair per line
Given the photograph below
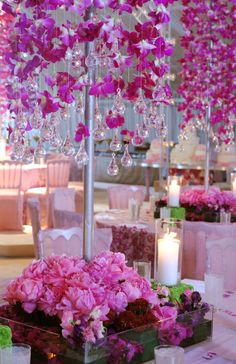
168, 257
173, 194
234, 186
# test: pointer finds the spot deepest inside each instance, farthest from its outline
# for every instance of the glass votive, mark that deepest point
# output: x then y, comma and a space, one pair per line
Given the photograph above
174, 186
214, 288
134, 209
225, 217
143, 269
168, 354
15, 354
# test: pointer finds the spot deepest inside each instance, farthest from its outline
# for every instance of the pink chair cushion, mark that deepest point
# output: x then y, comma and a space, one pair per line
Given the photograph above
11, 212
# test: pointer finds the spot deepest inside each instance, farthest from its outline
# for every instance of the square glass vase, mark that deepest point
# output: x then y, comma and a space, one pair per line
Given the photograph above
132, 346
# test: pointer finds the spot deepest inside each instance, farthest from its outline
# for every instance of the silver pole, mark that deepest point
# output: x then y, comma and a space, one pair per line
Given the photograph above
207, 160
89, 168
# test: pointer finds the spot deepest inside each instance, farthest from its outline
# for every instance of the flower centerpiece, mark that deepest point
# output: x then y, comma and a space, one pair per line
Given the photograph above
202, 205
101, 311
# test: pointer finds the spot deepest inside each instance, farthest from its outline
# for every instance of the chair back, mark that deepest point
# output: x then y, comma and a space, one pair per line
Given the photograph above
70, 241
10, 175
63, 219
58, 172
34, 210
63, 199
61, 241
119, 195
221, 258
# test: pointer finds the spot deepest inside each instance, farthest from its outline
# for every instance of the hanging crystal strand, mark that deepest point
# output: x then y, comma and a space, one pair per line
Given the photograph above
126, 160
118, 106
115, 144
54, 120
15, 136
20, 122
152, 116
65, 113
39, 151
143, 130
28, 156
80, 105
99, 133
113, 168
137, 140
46, 131
103, 58
159, 94
140, 106
82, 156
18, 150
36, 119
76, 57
67, 147
56, 141
92, 60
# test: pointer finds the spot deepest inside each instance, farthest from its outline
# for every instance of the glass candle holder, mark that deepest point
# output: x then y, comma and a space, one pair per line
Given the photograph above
168, 251
143, 268
168, 354
174, 185
225, 217
233, 182
15, 354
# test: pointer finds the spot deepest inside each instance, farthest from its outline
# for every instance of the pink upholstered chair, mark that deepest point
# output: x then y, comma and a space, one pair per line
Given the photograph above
221, 259
63, 241
57, 176
119, 195
11, 197
62, 202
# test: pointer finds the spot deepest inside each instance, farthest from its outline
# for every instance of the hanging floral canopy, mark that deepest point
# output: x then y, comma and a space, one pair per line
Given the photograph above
209, 67
129, 56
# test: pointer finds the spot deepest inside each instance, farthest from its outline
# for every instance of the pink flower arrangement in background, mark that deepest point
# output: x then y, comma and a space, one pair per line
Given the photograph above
208, 65
214, 199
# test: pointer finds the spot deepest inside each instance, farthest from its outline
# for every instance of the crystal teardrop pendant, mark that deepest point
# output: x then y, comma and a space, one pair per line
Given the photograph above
143, 130
15, 136
115, 144
46, 131
21, 121
99, 134
28, 156
56, 141
36, 119
67, 147
159, 94
118, 106
39, 151
137, 140
82, 156
54, 120
113, 168
140, 106
152, 116
91, 60
126, 160
18, 150
80, 105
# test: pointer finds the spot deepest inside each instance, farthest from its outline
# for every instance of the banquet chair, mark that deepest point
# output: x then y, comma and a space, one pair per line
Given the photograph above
11, 197
221, 258
57, 176
63, 241
119, 195
62, 202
